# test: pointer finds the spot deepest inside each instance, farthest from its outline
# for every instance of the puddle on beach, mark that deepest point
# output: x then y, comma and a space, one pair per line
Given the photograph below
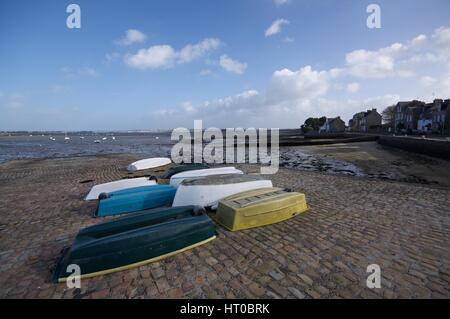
300, 159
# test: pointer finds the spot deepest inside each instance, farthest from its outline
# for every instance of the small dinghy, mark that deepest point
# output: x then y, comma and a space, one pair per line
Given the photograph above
136, 240
259, 207
183, 168
149, 163
129, 202
206, 191
119, 185
176, 179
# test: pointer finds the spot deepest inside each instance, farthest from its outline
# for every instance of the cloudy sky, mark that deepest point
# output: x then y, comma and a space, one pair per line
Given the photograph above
252, 63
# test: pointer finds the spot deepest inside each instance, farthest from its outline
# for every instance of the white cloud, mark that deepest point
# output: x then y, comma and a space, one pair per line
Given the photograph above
353, 87
231, 65
155, 57
363, 63
427, 81
165, 56
305, 83
401, 59
12, 101
205, 72
132, 36
281, 2
111, 57
70, 73
194, 51
414, 69
275, 27
88, 72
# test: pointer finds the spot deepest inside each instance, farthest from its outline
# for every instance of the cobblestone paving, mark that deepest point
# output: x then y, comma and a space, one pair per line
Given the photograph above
323, 253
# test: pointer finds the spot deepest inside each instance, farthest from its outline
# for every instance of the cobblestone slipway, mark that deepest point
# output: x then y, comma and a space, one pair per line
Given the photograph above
323, 253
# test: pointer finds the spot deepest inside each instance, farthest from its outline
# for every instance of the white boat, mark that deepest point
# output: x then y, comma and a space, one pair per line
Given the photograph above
67, 138
149, 163
176, 179
118, 185
207, 191
113, 138
104, 138
97, 141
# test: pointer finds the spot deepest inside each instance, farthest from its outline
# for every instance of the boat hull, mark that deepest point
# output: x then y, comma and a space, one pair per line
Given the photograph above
259, 208
208, 191
149, 163
133, 241
118, 185
177, 179
155, 196
182, 168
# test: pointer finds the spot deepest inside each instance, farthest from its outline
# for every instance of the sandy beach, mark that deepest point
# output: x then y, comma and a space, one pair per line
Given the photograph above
353, 221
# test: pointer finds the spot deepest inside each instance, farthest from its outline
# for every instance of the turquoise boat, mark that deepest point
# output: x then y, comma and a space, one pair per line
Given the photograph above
128, 191
123, 202
183, 168
135, 240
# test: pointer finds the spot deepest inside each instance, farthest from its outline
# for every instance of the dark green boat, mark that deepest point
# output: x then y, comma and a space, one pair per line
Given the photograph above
136, 240
183, 168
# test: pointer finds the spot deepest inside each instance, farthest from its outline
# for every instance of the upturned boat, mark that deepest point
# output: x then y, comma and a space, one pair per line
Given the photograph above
153, 197
176, 179
136, 240
183, 168
206, 191
148, 163
259, 207
119, 185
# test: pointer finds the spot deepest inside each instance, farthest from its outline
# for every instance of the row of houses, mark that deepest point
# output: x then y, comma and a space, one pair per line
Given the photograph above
361, 122
418, 116
365, 121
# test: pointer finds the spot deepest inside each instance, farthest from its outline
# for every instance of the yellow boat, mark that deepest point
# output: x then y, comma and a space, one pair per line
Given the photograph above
259, 207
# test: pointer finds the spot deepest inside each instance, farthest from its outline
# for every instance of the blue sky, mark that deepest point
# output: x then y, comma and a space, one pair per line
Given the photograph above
162, 64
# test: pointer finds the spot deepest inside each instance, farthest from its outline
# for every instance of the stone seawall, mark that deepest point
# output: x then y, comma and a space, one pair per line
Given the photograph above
429, 147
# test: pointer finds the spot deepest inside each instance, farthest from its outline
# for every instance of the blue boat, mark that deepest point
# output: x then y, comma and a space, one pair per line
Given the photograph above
123, 202
128, 191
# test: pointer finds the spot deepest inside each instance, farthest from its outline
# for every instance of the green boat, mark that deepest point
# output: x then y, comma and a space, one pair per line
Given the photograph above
134, 241
183, 168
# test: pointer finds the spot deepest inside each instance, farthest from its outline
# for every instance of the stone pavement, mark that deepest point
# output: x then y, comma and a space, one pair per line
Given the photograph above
323, 253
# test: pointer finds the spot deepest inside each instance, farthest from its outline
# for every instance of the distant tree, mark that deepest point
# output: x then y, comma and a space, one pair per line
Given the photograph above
388, 115
313, 124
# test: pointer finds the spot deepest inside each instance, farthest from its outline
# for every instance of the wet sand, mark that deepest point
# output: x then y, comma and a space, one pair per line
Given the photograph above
370, 159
